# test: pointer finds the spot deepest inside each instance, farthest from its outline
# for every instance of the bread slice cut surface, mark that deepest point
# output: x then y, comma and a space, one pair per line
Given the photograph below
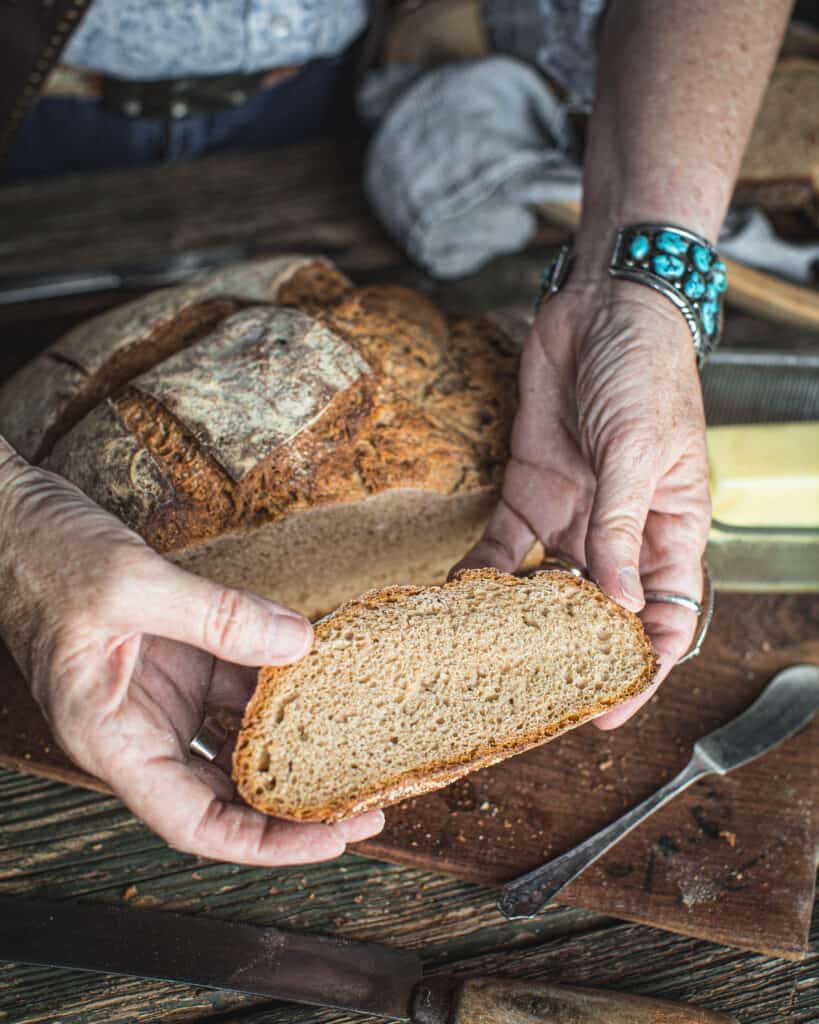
409, 688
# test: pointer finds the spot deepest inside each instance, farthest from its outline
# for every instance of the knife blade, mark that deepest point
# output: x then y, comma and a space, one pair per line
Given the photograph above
785, 706
167, 269
339, 973
170, 268
345, 975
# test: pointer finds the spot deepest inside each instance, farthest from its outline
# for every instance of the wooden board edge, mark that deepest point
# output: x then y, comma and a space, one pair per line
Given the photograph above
796, 950
55, 773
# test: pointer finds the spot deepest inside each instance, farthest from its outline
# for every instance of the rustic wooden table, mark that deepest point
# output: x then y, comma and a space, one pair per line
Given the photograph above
59, 842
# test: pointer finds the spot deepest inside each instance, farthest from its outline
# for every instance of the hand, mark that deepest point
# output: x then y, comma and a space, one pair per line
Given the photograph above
608, 462
123, 649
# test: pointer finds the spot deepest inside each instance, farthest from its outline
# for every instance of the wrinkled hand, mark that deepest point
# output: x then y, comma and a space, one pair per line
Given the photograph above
122, 650
608, 462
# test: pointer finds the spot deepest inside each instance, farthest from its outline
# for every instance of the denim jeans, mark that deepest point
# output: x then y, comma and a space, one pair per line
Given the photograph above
63, 135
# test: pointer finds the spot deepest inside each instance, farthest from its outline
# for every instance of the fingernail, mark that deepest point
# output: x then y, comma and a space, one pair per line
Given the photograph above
290, 637
631, 587
287, 613
361, 827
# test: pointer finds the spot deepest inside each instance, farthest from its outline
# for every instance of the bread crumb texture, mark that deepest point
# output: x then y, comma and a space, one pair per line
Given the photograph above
409, 688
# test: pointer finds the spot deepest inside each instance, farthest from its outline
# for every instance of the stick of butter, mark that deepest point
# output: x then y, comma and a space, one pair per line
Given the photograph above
765, 474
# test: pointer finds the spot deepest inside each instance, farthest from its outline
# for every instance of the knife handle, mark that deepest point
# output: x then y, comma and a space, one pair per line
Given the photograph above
502, 1001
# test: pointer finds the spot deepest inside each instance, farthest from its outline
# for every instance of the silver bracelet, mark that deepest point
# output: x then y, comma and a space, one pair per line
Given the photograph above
679, 264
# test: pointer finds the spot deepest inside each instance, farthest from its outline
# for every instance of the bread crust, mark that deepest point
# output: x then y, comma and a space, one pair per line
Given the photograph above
108, 463
44, 400
430, 408
435, 776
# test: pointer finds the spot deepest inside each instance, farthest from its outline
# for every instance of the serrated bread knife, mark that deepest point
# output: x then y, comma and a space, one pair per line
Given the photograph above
338, 973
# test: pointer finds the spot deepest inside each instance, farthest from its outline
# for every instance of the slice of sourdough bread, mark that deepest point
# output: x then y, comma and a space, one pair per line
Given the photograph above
409, 688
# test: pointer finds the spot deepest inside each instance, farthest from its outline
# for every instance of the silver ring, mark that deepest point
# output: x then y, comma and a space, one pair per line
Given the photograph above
562, 564
704, 611
668, 597
557, 563
209, 740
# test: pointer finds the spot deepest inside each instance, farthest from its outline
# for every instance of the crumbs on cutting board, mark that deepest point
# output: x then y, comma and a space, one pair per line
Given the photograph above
729, 837
696, 892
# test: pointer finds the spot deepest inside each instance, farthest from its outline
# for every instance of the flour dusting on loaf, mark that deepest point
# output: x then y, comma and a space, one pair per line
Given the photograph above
266, 416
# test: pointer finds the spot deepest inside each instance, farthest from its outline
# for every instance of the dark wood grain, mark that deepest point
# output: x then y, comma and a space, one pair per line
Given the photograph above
59, 842
305, 198
732, 860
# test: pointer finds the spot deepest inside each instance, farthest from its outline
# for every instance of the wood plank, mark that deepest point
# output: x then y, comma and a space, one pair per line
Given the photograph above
628, 958
732, 860
59, 842
303, 197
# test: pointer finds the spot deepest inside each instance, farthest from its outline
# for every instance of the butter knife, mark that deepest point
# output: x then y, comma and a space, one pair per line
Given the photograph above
786, 705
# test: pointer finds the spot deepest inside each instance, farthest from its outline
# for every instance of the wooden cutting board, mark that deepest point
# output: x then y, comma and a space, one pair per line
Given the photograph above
732, 860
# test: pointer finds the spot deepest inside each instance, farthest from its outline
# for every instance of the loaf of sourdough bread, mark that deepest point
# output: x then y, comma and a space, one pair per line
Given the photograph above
272, 427
409, 688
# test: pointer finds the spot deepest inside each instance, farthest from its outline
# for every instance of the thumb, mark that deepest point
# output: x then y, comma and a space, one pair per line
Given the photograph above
234, 625
615, 535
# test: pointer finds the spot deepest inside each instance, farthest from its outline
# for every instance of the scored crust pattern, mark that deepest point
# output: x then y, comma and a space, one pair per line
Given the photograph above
384, 392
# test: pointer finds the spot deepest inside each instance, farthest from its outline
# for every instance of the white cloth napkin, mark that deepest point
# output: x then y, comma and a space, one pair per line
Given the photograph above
463, 153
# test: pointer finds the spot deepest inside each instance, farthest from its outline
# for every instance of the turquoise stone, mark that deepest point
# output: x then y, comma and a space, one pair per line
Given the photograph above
668, 266
708, 311
718, 276
701, 258
671, 243
711, 292
638, 250
694, 286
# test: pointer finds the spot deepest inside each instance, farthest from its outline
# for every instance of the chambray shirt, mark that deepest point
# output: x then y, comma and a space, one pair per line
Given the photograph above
150, 39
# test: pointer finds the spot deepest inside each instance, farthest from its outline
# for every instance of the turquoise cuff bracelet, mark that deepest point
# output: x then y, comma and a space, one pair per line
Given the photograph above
682, 266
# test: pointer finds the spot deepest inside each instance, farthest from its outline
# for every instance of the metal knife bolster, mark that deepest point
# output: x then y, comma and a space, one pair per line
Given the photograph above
435, 1001
358, 976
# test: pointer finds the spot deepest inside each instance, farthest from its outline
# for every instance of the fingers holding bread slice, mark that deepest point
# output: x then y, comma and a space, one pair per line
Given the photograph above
409, 688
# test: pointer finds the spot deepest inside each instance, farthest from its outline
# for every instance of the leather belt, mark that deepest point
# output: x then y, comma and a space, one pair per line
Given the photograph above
172, 98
